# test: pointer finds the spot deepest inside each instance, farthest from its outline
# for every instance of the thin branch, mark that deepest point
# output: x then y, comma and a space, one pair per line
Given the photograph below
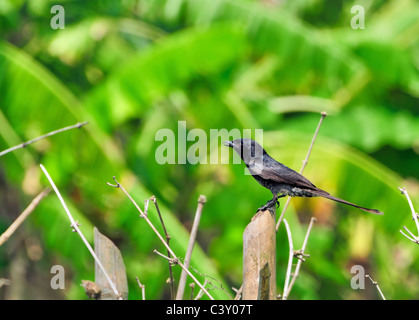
172, 261
146, 202
211, 283
301, 260
19, 220
201, 293
171, 280
142, 215
142, 287
413, 238
414, 213
24, 144
238, 293
290, 259
182, 281
375, 283
192, 286
305, 161
76, 228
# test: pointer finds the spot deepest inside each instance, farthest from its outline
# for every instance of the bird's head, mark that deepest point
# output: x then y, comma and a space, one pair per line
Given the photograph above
248, 149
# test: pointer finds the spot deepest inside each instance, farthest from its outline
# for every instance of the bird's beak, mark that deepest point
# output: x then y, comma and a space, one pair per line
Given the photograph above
228, 144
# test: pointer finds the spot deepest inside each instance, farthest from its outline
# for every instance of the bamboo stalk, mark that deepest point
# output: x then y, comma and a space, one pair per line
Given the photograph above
259, 257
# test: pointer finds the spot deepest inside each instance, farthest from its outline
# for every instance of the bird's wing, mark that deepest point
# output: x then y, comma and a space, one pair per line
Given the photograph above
270, 171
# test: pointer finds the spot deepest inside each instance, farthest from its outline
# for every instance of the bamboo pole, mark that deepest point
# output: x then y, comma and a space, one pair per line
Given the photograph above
259, 257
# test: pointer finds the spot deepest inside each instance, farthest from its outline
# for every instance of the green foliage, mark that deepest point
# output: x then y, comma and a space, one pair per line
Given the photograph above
131, 68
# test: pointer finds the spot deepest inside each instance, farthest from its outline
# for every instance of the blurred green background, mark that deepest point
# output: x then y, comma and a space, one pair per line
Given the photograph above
133, 67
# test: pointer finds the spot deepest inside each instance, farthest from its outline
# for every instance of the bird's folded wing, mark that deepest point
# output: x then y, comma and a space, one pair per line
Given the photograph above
284, 175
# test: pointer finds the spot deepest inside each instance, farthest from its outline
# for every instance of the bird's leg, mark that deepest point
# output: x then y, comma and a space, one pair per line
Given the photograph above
277, 197
268, 204
271, 202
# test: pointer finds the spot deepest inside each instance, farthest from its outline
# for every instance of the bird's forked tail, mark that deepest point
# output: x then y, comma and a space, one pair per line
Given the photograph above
324, 194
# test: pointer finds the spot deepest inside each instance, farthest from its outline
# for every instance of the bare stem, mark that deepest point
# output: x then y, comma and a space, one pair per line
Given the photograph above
413, 238
142, 215
192, 286
142, 287
24, 144
13, 227
172, 261
201, 293
182, 282
300, 261
290, 259
375, 283
410, 238
305, 161
171, 280
76, 228
238, 293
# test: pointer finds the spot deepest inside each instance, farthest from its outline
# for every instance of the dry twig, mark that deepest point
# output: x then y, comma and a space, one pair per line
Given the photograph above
201, 293
144, 216
290, 258
182, 282
172, 261
238, 293
300, 255
142, 287
171, 280
13, 227
375, 283
24, 144
192, 286
76, 228
412, 237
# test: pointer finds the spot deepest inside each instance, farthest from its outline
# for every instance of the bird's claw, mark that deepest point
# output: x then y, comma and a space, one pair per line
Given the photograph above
269, 204
263, 208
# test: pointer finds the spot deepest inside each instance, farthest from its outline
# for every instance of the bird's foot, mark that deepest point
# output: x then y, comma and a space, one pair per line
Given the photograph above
269, 204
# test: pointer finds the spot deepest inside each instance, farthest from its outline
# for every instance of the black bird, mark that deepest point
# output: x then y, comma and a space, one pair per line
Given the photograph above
278, 178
